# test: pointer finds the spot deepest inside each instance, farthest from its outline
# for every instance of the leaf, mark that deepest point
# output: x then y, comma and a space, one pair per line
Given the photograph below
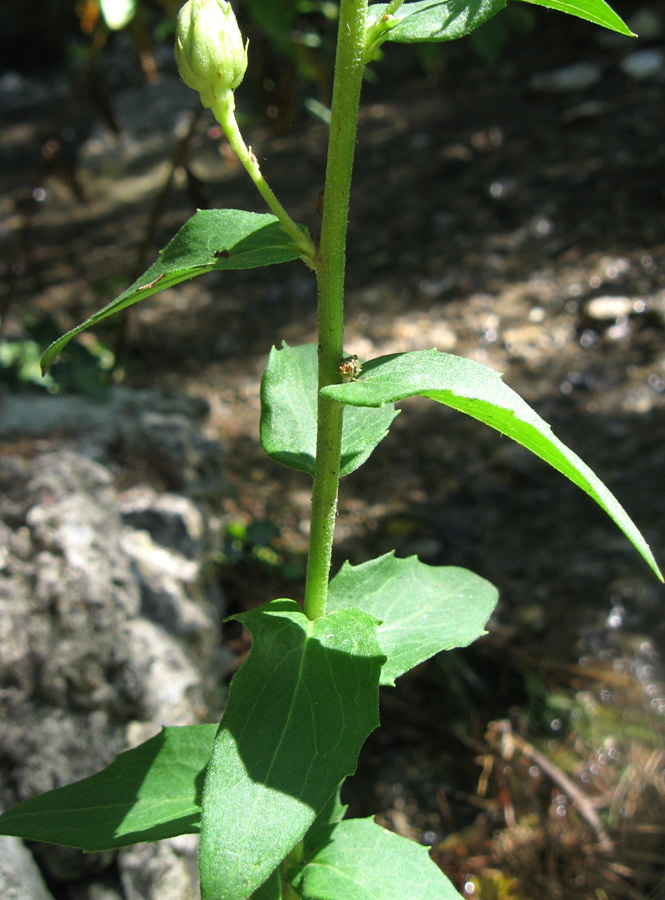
422, 609
299, 710
596, 11
212, 240
288, 414
478, 391
359, 860
448, 20
270, 889
333, 812
436, 20
147, 794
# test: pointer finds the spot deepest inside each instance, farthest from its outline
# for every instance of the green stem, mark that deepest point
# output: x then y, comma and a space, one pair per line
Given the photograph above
349, 65
224, 112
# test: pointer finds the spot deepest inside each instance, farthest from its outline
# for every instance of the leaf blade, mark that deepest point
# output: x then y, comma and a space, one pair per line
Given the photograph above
211, 240
288, 414
596, 11
479, 392
146, 794
359, 860
299, 709
422, 609
436, 20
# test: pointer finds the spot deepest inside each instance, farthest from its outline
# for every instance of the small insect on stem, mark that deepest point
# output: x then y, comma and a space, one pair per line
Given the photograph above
221, 254
151, 284
349, 368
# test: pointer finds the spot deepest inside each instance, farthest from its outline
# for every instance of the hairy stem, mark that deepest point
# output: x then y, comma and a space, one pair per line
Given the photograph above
349, 65
224, 112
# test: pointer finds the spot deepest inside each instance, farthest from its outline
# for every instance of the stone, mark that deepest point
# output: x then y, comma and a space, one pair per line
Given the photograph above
609, 308
20, 878
576, 77
89, 658
644, 64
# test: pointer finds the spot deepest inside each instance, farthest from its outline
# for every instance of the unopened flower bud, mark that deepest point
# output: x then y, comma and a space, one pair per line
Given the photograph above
209, 49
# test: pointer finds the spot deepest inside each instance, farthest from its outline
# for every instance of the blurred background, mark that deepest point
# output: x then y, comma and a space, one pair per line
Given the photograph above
508, 206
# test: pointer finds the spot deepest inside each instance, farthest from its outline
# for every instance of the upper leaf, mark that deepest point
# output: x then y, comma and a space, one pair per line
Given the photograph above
299, 710
448, 20
288, 414
212, 240
435, 20
358, 860
596, 11
478, 391
146, 794
422, 609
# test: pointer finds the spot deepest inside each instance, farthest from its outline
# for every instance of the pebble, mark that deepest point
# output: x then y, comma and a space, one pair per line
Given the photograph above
604, 308
643, 64
577, 77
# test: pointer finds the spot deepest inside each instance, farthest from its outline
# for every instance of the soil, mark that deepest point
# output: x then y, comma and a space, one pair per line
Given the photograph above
522, 229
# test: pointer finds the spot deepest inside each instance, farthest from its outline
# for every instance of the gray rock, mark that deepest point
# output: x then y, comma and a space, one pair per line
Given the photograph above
20, 879
607, 308
644, 64
105, 634
163, 871
159, 431
576, 77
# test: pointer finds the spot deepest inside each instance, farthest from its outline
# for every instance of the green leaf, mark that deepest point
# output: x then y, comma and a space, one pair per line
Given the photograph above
270, 889
436, 20
596, 11
146, 794
212, 240
333, 812
299, 710
359, 860
478, 391
422, 609
288, 414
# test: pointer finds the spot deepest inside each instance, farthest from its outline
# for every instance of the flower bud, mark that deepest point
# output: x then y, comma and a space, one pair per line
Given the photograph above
209, 49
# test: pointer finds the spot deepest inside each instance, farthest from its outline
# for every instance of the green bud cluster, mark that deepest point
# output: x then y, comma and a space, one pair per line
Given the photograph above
209, 50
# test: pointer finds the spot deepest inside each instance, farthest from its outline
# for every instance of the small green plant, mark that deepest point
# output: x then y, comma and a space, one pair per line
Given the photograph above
263, 786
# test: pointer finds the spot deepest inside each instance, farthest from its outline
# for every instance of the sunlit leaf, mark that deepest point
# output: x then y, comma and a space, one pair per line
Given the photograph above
422, 609
358, 860
596, 11
479, 391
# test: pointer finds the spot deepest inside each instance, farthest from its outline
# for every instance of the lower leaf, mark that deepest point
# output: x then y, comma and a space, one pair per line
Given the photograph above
298, 712
358, 860
147, 794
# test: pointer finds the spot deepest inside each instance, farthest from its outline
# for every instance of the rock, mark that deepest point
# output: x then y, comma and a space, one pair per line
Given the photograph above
604, 308
89, 657
146, 427
644, 64
20, 879
577, 77
163, 871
